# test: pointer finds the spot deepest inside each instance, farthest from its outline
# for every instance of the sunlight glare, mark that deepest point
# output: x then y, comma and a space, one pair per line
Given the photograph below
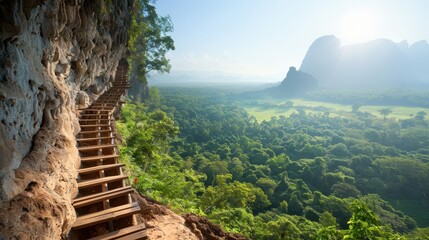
358, 26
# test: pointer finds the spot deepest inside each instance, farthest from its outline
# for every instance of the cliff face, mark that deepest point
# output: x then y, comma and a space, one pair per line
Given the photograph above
54, 55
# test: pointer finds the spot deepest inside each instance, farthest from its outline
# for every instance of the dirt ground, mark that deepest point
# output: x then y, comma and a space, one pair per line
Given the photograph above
164, 224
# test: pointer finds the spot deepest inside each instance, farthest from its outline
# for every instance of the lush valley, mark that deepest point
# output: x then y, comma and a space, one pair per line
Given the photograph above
304, 175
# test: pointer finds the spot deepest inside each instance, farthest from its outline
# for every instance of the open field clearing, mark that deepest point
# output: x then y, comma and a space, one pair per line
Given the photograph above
265, 110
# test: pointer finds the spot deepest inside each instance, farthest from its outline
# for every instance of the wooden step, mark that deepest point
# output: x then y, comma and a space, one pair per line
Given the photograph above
95, 147
85, 198
95, 125
100, 167
106, 215
136, 235
93, 120
114, 95
100, 108
94, 139
95, 131
94, 114
124, 232
96, 110
105, 116
109, 99
103, 105
99, 157
98, 197
98, 181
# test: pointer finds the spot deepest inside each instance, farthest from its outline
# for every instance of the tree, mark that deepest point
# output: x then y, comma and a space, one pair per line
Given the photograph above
227, 195
267, 185
234, 220
328, 233
339, 149
295, 207
363, 224
278, 163
283, 228
420, 115
385, 112
326, 219
356, 106
148, 44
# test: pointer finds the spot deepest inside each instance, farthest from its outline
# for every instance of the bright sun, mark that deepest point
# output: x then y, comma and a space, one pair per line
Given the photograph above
358, 26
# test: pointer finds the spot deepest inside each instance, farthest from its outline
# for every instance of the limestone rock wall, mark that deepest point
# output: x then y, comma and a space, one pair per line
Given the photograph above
54, 55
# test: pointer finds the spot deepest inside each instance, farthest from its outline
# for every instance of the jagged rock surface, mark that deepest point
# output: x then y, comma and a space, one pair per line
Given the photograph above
54, 55
162, 223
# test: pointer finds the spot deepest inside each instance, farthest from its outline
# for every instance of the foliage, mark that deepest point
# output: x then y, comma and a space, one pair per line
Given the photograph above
155, 173
288, 177
149, 42
363, 224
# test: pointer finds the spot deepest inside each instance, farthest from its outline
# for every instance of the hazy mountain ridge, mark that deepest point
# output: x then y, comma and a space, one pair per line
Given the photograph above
380, 63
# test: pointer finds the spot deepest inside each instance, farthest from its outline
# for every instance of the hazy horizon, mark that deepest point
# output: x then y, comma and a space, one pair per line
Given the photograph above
263, 39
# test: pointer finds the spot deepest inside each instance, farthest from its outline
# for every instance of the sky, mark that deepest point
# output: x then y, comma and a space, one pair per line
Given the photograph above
263, 38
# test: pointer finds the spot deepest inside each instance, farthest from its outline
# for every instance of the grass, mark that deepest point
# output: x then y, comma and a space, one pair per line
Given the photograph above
263, 111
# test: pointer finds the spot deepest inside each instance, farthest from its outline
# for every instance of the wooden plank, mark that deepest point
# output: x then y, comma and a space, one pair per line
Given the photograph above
98, 157
106, 215
101, 109
121, 232
99, 198
95, 125
95, 131
97, 110
94, 119
108, 211
84, 198
106, 104
100, 167
102, 105
94, 114
95, 147
94, 139
98, 181
134, 236
98, 107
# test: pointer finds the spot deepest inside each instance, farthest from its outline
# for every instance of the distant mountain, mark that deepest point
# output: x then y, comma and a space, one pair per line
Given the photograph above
376, 64
295, 84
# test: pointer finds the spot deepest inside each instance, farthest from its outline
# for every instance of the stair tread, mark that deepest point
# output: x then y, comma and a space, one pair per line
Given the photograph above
97, 110
93, 119
95, 125
94, 147
98, 197
87, 197
95, 131
98, 157
97, 106
100, 167
106, 215
98, 181
124, 232
133, 236
94, 114
94, 138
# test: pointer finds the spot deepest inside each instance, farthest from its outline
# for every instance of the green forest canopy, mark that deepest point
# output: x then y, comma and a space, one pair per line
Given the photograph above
285, 178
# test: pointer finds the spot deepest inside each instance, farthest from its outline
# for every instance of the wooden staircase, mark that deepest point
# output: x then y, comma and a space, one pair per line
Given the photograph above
104, 207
